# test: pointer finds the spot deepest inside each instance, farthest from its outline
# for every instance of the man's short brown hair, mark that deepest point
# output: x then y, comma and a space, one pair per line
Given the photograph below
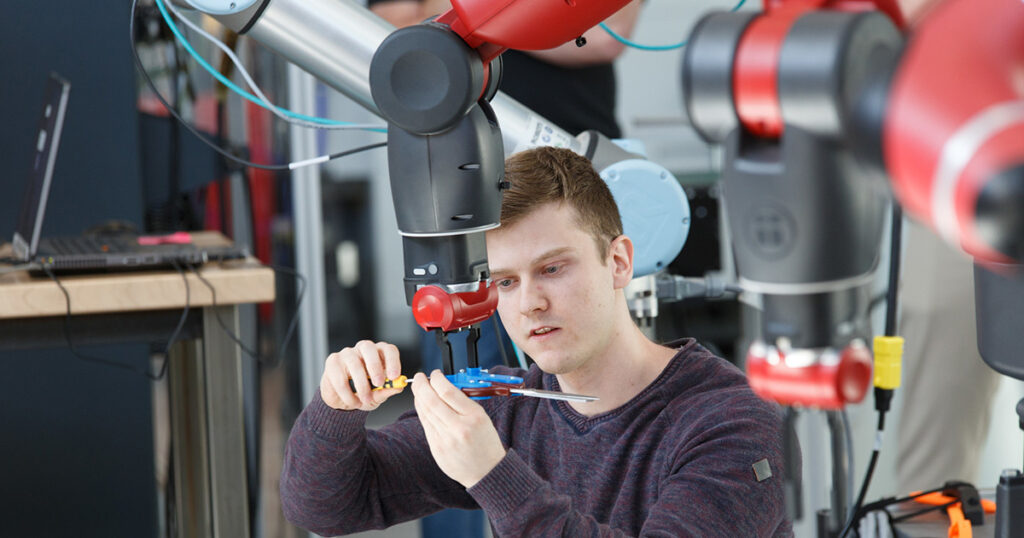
540, 176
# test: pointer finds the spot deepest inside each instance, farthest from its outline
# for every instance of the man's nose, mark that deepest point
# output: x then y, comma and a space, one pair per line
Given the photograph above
532, 298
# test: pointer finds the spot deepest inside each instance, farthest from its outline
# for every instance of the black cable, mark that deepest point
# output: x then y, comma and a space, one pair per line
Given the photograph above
90, 358
174, 149
883, 397
895, 240
67, 329
500, 340
234, 337
856, 514
923, 511
884, 503
160, 97
295, 317
892, 524
191, 129
181, 323
224, 326
353, 151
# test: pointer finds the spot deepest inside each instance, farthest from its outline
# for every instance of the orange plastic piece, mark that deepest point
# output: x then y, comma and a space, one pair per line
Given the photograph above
958, 526
937, 498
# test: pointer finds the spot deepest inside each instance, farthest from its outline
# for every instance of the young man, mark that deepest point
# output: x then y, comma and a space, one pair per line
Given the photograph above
677, 444
579, 93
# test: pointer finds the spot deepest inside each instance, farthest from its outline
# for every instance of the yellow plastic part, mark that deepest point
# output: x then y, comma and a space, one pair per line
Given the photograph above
888, 361
397, 383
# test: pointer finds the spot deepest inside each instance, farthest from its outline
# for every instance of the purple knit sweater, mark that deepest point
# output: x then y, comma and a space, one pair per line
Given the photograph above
676, 460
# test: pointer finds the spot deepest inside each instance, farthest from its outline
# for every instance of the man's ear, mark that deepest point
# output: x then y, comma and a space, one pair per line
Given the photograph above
620, 256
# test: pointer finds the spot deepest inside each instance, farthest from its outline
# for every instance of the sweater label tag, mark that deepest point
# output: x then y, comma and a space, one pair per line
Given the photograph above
762, 470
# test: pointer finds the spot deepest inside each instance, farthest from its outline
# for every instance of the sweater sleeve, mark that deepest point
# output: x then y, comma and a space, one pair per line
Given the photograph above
339, 478
711, 489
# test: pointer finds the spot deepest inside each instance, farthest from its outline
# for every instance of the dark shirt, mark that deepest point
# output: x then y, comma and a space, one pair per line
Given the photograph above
676, 460
575, 99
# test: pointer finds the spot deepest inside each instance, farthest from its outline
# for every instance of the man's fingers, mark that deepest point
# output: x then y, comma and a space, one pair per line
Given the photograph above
356, 371
430, 425
465, 447
335, 382
420, 386
379, 396
372, 358
428, 399
351, 374
341, 388
423, 399
392, 361
451, 395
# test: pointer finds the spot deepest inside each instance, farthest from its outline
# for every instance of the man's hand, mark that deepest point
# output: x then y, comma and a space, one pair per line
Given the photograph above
462, 438
365, 363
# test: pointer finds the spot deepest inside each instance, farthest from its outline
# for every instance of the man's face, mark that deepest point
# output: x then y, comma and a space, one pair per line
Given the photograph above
555, 292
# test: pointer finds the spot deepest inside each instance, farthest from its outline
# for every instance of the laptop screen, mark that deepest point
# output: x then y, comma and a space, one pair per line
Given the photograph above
44, 156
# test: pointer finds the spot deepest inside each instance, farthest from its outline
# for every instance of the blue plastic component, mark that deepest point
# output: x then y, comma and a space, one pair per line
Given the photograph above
655, 212
632, 145
221, 7
477, 378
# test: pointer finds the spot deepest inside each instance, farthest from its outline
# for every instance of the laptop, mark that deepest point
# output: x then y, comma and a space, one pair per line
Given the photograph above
88, 253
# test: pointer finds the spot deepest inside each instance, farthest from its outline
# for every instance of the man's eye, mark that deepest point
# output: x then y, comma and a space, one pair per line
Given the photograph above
551, 269
505, 282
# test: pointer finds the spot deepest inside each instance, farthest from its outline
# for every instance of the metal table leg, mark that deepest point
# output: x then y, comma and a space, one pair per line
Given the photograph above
207, 432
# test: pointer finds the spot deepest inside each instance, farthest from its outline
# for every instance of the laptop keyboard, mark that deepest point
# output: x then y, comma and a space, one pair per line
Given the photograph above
81, 245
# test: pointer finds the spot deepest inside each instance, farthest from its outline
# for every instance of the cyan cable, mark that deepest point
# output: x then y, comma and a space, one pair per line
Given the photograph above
227, 82
635, 45
156, 92
278, 111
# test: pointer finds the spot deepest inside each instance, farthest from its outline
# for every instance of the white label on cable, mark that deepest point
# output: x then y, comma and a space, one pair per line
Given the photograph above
542, 133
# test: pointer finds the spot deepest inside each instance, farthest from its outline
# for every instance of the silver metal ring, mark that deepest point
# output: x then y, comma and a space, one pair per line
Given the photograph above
957, 152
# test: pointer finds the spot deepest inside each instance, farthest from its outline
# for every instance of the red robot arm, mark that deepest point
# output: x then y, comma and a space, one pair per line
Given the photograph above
492, 27
954, 131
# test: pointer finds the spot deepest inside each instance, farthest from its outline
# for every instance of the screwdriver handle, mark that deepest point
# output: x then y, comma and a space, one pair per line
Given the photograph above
399, 382
396, 383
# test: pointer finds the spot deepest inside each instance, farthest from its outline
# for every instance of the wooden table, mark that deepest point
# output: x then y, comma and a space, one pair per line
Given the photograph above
204, 371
